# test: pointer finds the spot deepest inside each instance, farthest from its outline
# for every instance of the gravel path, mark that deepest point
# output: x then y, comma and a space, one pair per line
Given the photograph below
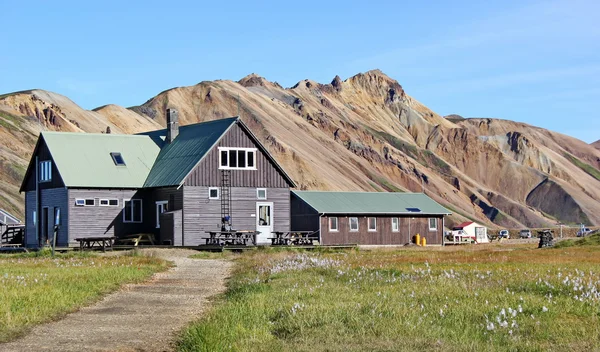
143, 317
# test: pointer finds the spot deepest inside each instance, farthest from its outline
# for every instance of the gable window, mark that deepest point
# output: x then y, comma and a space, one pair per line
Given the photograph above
45, 171
109, 202
261, 193
395, 225
213, 193
372, 224
237, 158
333, 224
432, 224
132, 210
353, 224
118, 159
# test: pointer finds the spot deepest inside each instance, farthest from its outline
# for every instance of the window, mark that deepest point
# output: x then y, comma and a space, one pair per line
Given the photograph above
80, 202
353, 224
132, 210
261, 193
237, 158
395, 225
118, 159
109, 202
333, 224
213, 193
432, 224
45, 171
372, 224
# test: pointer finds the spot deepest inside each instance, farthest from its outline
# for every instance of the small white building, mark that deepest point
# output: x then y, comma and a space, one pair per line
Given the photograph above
471, 230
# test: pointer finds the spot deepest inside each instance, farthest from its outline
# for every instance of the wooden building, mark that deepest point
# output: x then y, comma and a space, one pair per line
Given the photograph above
172, 183
368, 218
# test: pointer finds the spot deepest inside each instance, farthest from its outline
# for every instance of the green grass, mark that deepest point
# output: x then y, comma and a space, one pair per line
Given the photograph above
35, 288
443, 299
592, 240
589, 169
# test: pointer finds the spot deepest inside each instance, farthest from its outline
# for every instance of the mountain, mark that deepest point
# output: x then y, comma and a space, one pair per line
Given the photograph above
362, 133
596, 144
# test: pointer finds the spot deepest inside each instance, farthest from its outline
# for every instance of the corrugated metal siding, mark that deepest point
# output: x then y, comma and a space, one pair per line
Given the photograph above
207, 173
303, 216
103, 221
43, 155
384, 234
202, 214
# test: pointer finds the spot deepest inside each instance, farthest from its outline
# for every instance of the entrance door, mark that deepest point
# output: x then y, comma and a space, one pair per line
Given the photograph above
45, 226
161, 207
264, 222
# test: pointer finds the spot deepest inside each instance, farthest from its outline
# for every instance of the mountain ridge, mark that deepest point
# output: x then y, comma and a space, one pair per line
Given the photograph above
365, 133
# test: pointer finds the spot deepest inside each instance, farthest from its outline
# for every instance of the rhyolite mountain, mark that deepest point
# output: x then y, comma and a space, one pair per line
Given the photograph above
596, 144
363, 133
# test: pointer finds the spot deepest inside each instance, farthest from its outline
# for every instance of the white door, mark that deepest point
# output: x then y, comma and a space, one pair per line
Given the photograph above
264, 222
161, 207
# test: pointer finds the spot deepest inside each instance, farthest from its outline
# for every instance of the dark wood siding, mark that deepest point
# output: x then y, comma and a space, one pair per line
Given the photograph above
50, 198
104, 221
384, 234
43, 154
207, 172
202, 214
173, 195
304, 217
171, 227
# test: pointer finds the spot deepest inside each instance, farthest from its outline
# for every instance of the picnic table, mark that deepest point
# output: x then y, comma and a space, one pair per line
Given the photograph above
136, 239
90, 242
231, 237
293, 238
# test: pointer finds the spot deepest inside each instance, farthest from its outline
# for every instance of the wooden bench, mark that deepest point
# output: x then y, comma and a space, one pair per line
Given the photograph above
91, 242
136, 239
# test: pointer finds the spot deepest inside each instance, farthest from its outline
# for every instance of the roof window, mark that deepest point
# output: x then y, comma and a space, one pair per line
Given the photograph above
413, 210
118, 159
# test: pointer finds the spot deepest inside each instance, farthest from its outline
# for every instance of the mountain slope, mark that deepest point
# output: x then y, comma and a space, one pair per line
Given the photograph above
596, 144
366, 133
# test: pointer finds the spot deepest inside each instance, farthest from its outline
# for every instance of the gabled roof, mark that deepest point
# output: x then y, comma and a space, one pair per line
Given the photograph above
463, 225
84, 159
177, 159
371, 203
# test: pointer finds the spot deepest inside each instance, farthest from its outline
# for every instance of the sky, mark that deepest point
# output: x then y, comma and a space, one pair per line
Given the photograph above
536, 62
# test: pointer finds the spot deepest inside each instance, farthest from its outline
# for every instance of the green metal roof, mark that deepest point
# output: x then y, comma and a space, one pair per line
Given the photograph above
371, 203
176, 160
84, 160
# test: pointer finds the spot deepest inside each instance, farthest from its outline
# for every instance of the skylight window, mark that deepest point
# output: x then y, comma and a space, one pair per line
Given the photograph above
413, 210
118, 159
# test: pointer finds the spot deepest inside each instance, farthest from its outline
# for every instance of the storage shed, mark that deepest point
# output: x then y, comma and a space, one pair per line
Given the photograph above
368, 218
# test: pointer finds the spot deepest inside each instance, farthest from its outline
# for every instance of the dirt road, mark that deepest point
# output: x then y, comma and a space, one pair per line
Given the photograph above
143, 317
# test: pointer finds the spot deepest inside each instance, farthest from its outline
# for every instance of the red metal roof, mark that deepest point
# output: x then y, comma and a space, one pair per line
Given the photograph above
463, 225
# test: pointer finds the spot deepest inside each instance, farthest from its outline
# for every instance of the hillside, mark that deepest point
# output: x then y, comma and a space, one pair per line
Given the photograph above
596, 144
363, 133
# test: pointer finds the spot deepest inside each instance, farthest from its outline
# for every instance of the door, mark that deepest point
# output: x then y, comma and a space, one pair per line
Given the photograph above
161, 207
46, 221
264, 222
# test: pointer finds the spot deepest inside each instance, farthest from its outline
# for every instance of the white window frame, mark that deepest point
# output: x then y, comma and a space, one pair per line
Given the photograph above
162, 203
78, 201
397, 229
132, 217
369, 229
429, 224
107, 200
337, 224
350, 224
258, 193
89, 205
228, 149
218, 192
45, 171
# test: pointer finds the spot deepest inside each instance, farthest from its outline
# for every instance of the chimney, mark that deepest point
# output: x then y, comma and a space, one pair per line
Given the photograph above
172, 125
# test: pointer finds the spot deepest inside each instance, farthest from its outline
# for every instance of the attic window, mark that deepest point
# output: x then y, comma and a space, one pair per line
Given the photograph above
118, 159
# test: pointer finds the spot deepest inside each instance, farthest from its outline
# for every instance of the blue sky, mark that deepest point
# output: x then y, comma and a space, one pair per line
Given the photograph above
532, 61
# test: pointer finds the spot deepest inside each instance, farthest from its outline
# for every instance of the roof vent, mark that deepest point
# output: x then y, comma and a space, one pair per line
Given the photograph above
118, 159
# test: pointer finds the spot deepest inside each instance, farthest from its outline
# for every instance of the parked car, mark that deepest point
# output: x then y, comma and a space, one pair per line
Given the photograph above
503, 234
584, 231
525, 233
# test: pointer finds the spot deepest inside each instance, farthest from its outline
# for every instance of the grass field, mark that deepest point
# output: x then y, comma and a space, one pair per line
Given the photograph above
469, 298
35, 289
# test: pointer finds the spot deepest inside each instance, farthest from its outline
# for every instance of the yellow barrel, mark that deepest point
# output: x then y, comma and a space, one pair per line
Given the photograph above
423, 241
418, 239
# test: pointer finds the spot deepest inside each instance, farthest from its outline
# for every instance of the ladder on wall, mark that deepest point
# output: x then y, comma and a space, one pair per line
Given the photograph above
226, 220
